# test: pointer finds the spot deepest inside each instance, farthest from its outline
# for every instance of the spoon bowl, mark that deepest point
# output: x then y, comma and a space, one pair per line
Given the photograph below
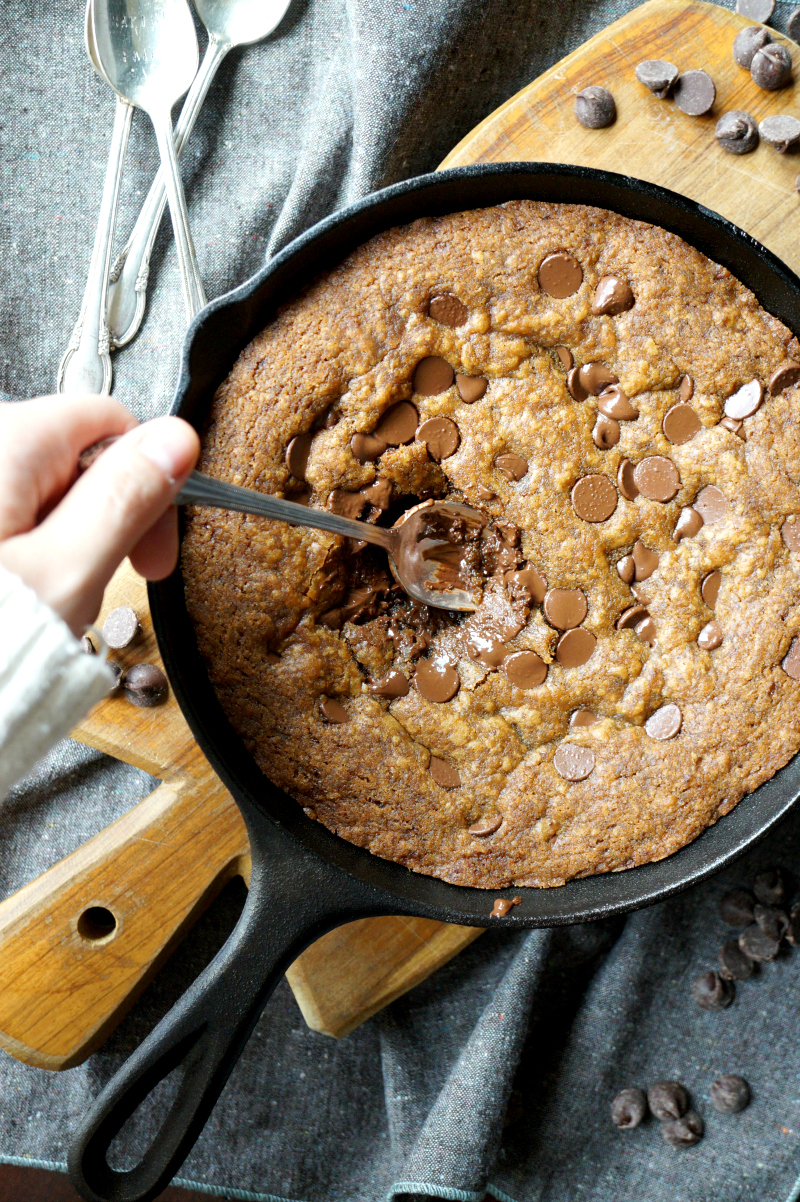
146, 49
240, 22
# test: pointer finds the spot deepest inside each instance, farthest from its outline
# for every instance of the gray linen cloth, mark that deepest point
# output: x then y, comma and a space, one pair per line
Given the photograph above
497, 1073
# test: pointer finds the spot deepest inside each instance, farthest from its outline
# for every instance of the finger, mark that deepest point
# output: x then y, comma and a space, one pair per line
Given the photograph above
155, 555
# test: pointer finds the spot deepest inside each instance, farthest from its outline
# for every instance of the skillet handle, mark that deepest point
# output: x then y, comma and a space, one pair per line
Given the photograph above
294, 898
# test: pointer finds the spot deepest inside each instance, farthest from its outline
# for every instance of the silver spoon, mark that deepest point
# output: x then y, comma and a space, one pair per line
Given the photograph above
229, 23
147, 50
86, 363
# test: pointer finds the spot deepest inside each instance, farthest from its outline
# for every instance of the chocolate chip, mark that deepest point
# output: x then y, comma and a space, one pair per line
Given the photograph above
441, 437
747, 42
595, 378
713, 992
87, 646
736, 908
640, 594
573, 763
730, 1094
565, 357
144, 685
394, 684
683, 1132
297, 454
689, 524
756, 10
448, 311
695, 93
686, 389
664, 723
333, 711
658, 76
525, 669
630, 617
470, 388
793, 25
681, 423
734, 965
613, 402
565, 608
771, 920
346, 504
528, 581
367, 448
786, 376
513, 467
399, 423
657, 478
121, 627
791, 661
117, 681
379, 493
575, 648
436, 681
595, 108
486, 826
560, 275
445, 775
709, 589
629, 1108
594, 498
485, 494
432, 375
627, 569
771, 67
667, 1100
645, 560
626, 481
710, 637
737, 132
574, 387
735, 425
746, 400
606, 432
782, 132
503, 906
769, 887
612, 296
711, 504
646, 631
756, 944
582, 718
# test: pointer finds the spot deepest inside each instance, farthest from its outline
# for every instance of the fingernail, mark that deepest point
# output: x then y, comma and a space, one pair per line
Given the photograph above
168, 444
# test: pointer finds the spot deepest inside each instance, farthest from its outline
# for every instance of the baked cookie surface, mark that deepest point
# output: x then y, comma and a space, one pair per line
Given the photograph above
625, 415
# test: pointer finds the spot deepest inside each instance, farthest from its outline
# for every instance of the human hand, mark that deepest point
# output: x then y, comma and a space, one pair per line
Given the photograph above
65, 534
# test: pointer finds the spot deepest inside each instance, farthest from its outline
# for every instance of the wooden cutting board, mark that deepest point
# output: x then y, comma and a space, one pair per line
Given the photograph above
67, 977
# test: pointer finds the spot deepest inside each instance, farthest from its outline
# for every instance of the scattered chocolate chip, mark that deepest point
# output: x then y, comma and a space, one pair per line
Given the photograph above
710, 637
626, 481
606, 432
713, 992
771, 67
436, 681
87, 646
686, 389
565, 608
612, 296
695, 93
734, 965
117, 681
709, 589
448, 311
657, 478
786, 376
735, 425
486, 826
445, 775
432, 375
574, 387
771, 920
791, 661
528, 581
297, 454
629, 1108
367, 448
121, 627
730, 1094
645, 560
560, 275
513, 467
680, 424
689, 524
595, 378
573, 763
525, 669
746, 400
683, 1132
394, 684
565, 357
736, 908
793, 25
399, 423
664, 723
737, 132
769, 887
595, 108
757, 944
756, 10
347, 504
575, 648
594, 498
646, 631
630, 617
711, 504
782, 132
627, 569
470, 388
581, 718
144, 685
658, 76
441, 437
503, 906
613, 402
667, 1100
747, 42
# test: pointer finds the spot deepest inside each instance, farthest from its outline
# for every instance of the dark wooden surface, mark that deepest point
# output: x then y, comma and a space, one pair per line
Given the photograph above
38, 1185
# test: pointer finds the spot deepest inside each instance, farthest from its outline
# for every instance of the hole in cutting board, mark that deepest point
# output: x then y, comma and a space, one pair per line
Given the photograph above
97, 924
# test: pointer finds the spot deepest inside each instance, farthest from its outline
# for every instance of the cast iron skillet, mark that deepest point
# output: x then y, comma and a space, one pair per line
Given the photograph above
306, 879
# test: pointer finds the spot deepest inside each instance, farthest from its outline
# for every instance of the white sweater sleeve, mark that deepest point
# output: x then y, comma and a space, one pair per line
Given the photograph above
47, 682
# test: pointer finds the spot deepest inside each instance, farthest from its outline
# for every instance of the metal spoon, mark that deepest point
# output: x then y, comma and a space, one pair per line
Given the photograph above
229, 23
86, 363
147, 50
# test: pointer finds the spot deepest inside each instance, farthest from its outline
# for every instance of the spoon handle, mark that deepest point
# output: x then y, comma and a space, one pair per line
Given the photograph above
128, 283
200, 489
193, 292
86, 363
